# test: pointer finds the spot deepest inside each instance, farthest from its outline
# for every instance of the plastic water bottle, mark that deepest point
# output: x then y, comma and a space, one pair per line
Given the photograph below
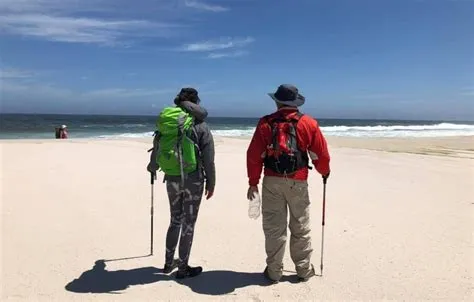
254, 206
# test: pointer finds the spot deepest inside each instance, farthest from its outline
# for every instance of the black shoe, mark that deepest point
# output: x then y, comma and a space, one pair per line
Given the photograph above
311, 274
188, 272
168, 268
267, 276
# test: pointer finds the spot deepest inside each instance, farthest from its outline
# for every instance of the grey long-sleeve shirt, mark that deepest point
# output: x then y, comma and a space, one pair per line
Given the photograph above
206, 167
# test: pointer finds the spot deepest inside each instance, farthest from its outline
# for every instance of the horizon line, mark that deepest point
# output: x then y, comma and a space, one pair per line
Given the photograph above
246, 117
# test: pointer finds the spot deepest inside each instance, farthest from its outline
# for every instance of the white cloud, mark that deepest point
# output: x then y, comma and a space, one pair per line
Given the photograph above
24, 90
12, 84
220, 44
13, 73
59, 8
21, 6
467, 91
78, 30
125, 93
64, 21
375, 96
55, 7
108, 22
205, 6
234, 54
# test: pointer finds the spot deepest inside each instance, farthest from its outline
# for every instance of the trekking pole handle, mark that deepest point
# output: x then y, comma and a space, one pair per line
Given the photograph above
152, 178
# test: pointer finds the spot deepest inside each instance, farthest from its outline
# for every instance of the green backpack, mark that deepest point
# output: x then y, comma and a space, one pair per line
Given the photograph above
176, 154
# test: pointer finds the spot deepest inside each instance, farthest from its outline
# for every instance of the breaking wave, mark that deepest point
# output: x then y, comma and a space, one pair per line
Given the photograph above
436, 130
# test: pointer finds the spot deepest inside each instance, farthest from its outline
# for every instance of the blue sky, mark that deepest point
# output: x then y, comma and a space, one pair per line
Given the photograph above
408, 59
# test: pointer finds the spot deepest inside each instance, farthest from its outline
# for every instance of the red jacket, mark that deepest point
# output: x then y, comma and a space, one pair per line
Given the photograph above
310, 139
63, 134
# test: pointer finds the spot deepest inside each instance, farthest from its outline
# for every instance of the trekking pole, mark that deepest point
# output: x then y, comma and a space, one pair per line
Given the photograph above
153, 176
323, 221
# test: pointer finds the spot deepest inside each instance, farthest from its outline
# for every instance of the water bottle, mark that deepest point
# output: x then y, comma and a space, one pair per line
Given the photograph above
254, 206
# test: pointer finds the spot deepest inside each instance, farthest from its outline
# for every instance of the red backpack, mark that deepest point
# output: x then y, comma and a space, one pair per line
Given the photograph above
283, 154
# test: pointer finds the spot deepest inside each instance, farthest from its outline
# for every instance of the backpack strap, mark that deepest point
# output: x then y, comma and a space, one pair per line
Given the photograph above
181, 135
295, 121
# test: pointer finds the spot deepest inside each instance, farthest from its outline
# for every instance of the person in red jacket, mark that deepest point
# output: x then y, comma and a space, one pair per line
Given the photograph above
64, 133
284, 144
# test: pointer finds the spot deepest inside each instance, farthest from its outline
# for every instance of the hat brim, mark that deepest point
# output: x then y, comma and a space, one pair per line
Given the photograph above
296, 103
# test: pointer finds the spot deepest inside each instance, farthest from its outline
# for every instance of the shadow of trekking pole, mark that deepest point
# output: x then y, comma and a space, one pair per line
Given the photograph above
125, 258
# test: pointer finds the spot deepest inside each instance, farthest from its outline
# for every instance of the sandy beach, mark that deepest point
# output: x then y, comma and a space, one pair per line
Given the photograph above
75, 225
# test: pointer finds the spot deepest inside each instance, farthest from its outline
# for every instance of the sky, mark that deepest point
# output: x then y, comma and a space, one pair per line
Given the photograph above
395, 59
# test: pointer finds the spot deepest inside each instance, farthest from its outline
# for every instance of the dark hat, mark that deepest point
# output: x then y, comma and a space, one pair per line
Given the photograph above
189, 94
287, 94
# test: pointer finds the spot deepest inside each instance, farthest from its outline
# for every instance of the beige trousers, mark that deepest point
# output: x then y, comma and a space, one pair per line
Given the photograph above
280, 197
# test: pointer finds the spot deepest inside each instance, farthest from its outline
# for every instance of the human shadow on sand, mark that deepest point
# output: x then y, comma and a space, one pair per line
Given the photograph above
99, 280
222, 282
218, 282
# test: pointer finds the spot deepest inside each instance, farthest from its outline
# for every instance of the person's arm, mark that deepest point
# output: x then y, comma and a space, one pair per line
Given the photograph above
206, 145
317, 147
254, 156
199, 112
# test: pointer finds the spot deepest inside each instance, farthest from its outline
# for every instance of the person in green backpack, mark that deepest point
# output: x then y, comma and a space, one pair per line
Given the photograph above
183, 149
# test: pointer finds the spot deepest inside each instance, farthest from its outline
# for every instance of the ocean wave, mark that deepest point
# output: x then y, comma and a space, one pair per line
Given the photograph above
227, 133
436, 130
234, 132
98, 126
436, 127
127, 135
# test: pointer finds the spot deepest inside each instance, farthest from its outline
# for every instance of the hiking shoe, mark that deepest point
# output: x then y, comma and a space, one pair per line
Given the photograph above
188, 272
168, 268
312, 273
267, 276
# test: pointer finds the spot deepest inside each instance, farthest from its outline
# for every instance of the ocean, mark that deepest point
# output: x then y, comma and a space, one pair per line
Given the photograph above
41, 126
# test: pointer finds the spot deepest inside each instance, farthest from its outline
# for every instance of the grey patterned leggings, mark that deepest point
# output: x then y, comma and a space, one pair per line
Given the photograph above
184, 208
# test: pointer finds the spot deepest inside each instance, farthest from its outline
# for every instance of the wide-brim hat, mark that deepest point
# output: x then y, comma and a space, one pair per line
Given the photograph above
288, 95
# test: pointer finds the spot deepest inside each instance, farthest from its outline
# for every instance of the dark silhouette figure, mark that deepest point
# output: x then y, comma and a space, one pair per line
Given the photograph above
225, 282
220, 282
99, 280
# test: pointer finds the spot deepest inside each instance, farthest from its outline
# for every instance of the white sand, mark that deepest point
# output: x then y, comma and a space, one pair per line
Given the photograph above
399, 226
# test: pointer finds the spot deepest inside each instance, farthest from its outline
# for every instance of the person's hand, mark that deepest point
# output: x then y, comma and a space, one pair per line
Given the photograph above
251, 192
152, 167
209, 194
325, 177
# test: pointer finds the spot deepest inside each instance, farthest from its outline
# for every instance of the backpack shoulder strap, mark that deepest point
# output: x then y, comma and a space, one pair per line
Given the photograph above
297, 116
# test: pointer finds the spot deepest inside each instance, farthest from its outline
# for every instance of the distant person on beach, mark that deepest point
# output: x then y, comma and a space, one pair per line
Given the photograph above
61, 132
280, 145
186, 176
